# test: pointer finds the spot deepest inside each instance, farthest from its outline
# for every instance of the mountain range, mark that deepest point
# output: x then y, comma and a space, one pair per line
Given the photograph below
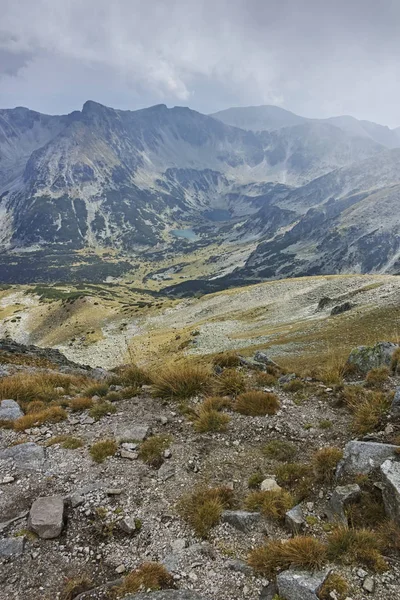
305, 196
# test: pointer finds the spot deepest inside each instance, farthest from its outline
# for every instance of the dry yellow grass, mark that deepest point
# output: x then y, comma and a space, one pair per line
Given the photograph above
210, 420
255, 403
202, 508
376, 378
151, 450
325, 462
80, 403
149, 576
53, 414
301, 551
273, 504
356, 546
102, 449
181, 380
25, 388
334, 586
229, 383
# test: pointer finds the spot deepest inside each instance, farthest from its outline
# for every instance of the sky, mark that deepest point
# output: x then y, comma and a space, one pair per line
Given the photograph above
317, 58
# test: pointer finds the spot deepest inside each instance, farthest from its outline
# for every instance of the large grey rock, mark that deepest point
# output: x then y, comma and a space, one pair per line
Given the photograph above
365, 358
294, 519
395, 408
12, 546
264, 359
391, 489
25, 456
240, 519
342, 495
166, 595
132, 433
364, 457
270, 485
300, 585
10, 410
46, 517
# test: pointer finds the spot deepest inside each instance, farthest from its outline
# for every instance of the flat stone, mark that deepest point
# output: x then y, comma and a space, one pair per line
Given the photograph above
240, 519
263, 358
300, 585
294, 519
166, 471
12, 546
46, 517
166, 595
10, 410
395, 408
133, 433
25, 456
364, 457
342, 495
270, 485
390, 471
129, 455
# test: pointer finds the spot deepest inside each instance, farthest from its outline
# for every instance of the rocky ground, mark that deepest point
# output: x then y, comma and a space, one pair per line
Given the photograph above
122, 512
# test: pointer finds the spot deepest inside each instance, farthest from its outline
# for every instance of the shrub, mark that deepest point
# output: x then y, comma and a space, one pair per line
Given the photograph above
97, 389
272, 504
149, 576
280, 450
67, 441
300, 551
202, 508
354, 546
210, 420
229, 383
80, 403
376, 378
226, 360
151, 450
101, 450
255, 480
100, 409
181, 381
53, 414
334, 586
325, 462
256, 403
265, 379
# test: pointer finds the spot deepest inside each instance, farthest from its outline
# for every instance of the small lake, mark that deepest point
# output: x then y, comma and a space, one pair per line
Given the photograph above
217, 215
186, 234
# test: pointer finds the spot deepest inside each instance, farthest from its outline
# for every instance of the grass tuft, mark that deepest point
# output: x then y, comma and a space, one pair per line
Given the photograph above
67, 441
101, 450
226, 360
273, 504
301, 551
256, 403
80, 403
151, 450
280, 450
355, 546
25, 388
202, 508
74, 586
53, 414
101, 409
229, 383
210, 420
376, 378
149, 576
334, 586
181, 381
97, 389
325, 462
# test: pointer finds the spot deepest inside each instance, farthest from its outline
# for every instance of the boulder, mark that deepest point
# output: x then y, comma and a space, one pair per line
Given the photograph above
341, 308
390, 471
270, 485
46, 517
132, 433
364, 457
166, 595
395, 408
10, 410
300, 585
240, 519
261, 357
342, 495
365, 358
25, 456
294, 519
12, 546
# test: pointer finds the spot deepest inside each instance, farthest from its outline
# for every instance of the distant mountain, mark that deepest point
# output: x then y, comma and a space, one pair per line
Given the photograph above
271, 118
102, 177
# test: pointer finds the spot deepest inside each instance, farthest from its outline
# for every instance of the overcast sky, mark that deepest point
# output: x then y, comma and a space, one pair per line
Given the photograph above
314, 57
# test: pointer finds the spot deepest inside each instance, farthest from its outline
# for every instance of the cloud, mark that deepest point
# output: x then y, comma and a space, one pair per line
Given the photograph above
315, 57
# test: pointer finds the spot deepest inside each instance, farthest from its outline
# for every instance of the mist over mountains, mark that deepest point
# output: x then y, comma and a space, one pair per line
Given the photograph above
307, 196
